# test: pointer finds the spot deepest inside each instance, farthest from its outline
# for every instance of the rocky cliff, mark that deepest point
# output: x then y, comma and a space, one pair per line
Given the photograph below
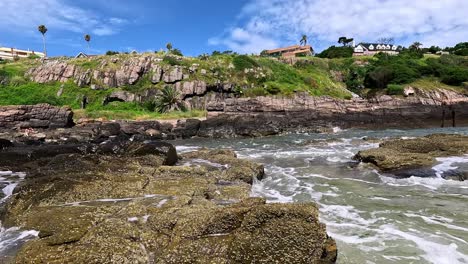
35, 116
272, 115
149, 73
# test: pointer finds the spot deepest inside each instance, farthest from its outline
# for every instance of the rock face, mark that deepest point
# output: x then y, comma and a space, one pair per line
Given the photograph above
118, 73
35, 116
126, 206
415, 157
272, 115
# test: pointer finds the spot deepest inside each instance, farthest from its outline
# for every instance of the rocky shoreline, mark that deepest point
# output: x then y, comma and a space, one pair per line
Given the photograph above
116, 201
254, 117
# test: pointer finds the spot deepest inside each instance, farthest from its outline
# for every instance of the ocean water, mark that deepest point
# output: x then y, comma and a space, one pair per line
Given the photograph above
12, 238
375, 218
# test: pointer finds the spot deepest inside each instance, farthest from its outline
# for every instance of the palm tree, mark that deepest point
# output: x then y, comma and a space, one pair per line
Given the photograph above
43, 30
303, 40
169, 100
416, 45
169, 46
87, 38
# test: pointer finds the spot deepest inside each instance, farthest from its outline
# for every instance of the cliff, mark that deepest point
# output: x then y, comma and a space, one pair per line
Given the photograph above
272, 115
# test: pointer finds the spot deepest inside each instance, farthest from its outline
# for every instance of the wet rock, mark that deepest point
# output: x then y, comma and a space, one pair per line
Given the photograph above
128, 207
414, 156
4, 144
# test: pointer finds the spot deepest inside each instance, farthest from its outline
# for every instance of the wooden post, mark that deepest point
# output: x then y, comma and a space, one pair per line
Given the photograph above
443, 118
453, 119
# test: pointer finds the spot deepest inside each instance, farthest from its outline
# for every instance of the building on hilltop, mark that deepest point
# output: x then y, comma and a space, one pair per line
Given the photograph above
291, 51
370, 49
83, 55
12, 53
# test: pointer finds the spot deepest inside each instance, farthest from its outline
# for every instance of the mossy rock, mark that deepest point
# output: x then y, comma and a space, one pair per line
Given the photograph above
421, 152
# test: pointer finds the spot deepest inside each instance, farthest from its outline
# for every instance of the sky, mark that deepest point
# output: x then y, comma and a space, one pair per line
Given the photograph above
244, 26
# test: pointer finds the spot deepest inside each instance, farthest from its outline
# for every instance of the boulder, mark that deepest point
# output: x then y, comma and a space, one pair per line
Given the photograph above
414, 157
409, 91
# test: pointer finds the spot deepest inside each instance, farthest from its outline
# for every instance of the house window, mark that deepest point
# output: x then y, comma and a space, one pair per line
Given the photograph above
371, 47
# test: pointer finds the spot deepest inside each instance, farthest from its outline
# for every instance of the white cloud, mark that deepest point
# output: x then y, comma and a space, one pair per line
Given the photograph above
432, 22
244, 41
56, 15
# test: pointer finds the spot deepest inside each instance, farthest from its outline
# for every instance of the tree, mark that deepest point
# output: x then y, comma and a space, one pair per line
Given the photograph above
345, 41
416, 46
169, 46
342, 40
87, 38
303, 40
43, 31
169, 100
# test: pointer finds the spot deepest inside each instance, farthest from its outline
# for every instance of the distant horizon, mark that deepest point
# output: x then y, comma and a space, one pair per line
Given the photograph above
244, 26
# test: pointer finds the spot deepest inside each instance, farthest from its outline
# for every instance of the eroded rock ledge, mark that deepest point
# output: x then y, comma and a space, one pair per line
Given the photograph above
118, 202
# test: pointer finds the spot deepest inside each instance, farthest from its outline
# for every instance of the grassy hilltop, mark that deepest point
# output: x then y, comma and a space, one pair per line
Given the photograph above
250, 75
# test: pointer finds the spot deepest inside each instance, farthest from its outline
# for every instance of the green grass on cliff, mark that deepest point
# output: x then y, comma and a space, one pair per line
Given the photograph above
250, 75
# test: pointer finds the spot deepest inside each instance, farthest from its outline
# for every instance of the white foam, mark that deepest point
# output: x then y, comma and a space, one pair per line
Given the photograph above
435, 252
185, 149
446, 164
376, 198
438, 221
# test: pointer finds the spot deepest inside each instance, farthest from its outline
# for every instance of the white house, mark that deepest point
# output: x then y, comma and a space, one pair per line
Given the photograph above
11, 53
370, 49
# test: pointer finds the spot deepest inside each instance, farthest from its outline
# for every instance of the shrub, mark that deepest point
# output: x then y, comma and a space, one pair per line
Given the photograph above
454, 75
110, 53
176, 52
242, 62
33, 57
171, 60
336, 52
253, 92
273, 88
379, 77
395, 89
169, 101
17, 81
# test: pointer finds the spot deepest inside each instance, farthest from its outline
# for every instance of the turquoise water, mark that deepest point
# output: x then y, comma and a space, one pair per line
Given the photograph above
374, 218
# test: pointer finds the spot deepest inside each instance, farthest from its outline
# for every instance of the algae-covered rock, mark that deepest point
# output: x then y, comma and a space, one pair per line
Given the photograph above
129, 206
399, 156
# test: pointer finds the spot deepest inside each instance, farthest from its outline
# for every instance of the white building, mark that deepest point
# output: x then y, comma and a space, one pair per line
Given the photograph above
11, 53
370, 49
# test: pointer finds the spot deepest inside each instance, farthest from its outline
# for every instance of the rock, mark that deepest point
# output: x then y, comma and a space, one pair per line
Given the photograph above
4, 144
60, 91
157, 74
190, 89
414, 157
263, 115
121, 208
159, 148
35, 116
173, 75
409, 91
120, 96
188, 128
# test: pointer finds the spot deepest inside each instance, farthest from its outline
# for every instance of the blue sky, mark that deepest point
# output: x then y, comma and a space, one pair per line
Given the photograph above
245, 26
